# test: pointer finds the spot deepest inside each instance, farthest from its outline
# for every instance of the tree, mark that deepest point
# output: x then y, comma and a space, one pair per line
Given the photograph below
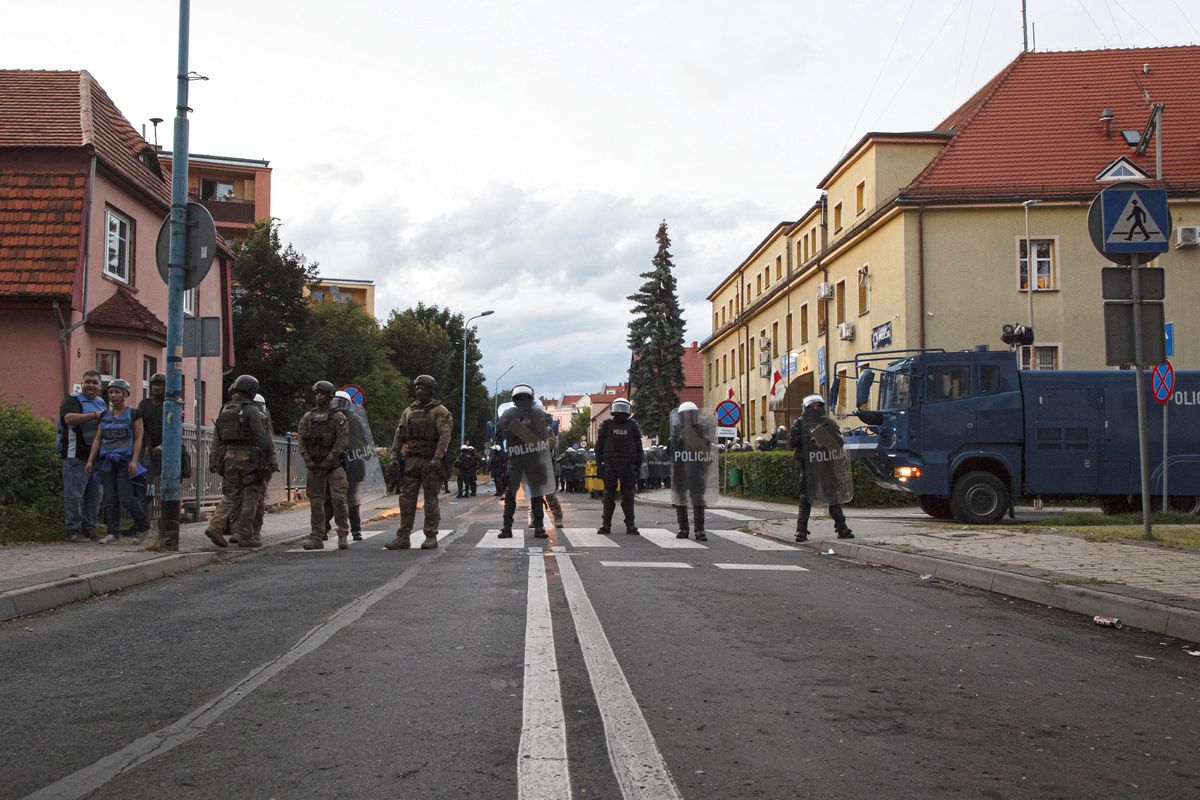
270, 321
577, 431
656, 340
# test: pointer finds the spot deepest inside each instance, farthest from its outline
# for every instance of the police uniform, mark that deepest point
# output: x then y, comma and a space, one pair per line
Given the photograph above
271, 468
421, 440
619, 456
239, 454
466, 467
324, 434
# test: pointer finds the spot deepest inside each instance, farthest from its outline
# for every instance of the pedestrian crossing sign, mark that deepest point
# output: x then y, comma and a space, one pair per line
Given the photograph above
1136, 220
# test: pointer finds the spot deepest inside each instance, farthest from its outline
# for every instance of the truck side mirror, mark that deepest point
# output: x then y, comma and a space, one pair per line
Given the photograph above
866, 379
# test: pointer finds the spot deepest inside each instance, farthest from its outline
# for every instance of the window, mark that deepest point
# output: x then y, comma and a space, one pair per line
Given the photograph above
787, 324
758, 280
149, 367
1044, 266
708, 384
860, 197
778, 268
820, 317
804, 242
741, 359
763, 405
839, 296
775, 339
753, 421
190, 297
753, 351
837, 217
864, 301
947, 383
117, 239
1046, 357
108, 363
816, 243
725, 368
989, 379
841, 402
804, 323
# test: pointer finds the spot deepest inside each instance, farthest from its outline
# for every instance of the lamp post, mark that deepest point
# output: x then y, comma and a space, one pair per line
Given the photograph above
462, 418
1030, 269
496, 394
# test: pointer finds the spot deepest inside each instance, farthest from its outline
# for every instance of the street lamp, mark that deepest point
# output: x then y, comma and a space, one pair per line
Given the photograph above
496, 394
1030, 267
462, 419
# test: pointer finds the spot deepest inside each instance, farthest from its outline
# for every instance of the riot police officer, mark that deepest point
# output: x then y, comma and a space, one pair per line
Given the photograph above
693, 458
498, 469
618, 457
825, 477
324, 433
525, 429
240, 452
465, 466
421, 441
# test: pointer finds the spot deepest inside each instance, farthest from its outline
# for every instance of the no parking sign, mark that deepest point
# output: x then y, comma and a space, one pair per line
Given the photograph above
1162, 381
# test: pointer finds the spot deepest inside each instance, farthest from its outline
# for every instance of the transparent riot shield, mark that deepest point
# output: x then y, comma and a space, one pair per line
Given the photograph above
361, 460
693, 458
526, 436
828, 478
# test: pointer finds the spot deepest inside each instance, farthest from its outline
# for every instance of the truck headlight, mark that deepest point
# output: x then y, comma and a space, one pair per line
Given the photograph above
904, 473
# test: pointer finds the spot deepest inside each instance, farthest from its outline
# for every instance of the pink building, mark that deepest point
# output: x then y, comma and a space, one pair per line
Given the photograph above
82, 197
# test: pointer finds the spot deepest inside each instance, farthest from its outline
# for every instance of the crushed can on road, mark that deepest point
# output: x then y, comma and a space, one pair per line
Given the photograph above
1107, 622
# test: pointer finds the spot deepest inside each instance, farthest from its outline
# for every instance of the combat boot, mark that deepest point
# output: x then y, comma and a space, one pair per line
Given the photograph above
315, 542
558, 520
505, 533
430, 542
400, 542
845, 533
604, 530
343, 541
216, 538
681, 516
701, 536
801, 536
540, 533
632, 530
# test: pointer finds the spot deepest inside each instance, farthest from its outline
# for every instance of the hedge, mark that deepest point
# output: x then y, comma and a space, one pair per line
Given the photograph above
31, 503
773, 476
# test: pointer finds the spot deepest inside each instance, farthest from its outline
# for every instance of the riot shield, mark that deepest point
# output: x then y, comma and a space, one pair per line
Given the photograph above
526, 436
360, 452
828, 479
693, 458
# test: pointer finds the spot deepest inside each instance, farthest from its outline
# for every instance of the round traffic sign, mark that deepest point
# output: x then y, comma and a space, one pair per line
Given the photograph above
201, 246
356, 394
1163, 382
729, 413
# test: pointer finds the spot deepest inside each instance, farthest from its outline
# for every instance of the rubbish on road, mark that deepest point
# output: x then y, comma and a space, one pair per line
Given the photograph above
926, 577
828, 552
1107, 622
1191, 652
1147, 658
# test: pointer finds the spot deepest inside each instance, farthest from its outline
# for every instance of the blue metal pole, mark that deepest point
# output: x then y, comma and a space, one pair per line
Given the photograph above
168, 524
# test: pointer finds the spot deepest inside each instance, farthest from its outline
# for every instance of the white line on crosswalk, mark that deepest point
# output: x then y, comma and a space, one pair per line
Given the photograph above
650, 564
492, 539
774, 567
720, 512
587, 537
666, 540
754, 542
542, 767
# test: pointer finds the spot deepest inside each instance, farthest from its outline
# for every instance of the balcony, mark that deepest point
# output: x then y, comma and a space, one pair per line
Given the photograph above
230, 210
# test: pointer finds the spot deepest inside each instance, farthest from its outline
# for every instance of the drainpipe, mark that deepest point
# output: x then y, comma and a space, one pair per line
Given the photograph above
921, 276
825, 277
828, 328
64, 331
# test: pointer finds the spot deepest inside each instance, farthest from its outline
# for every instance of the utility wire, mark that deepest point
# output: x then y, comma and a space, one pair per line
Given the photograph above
882, 67
1095, 24
979, 53
1139, 23
1185, 16
1116, 27
962, 51
920, 58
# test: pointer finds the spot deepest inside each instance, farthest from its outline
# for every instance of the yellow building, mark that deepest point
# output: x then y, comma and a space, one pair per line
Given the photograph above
919, 239
344, 290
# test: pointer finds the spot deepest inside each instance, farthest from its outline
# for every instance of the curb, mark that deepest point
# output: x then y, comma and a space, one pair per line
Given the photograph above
1148, 615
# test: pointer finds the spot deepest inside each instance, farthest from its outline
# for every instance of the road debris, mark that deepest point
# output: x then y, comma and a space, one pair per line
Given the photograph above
1107, 622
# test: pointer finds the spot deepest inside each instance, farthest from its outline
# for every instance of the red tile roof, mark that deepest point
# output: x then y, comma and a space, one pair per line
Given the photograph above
602, 399
693, 366
123, 310
40, 223
571, 399
1034, 128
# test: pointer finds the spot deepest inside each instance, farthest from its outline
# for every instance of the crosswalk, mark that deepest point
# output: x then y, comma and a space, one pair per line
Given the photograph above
587, 538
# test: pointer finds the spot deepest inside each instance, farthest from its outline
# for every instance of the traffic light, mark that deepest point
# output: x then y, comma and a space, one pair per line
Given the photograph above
1017, 335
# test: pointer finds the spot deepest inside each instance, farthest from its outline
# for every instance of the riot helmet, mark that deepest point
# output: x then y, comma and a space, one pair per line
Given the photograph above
342, 400
813, 399
259, 400
522, 395
621, 406
246, 384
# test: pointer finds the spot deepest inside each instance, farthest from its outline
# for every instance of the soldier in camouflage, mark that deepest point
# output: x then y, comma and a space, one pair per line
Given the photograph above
240, 453
324, 433
272, 466
422, 437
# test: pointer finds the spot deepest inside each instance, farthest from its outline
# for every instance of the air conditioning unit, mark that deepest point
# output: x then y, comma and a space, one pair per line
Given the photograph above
764, 344
824, 290
1186, 238
846, 331
764, 370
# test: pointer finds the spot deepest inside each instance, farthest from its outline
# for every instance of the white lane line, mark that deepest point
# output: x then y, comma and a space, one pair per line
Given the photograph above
331, 545
649, 564
587, 537
491, 539
754, 542
542, 769
720, 512
775, 567
636, 760
666, 540
87, 781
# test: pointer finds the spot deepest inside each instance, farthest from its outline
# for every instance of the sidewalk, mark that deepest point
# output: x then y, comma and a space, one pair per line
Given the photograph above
35, 577
1146, 586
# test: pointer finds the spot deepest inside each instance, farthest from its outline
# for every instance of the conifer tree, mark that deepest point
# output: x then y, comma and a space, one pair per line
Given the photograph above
656, 341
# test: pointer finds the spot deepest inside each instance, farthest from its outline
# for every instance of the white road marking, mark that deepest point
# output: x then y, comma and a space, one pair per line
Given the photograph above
331, 545
492, 539
636, 760
587, 537
776, 567
542, 768
720, 512
650, 564
666, 539
754, 542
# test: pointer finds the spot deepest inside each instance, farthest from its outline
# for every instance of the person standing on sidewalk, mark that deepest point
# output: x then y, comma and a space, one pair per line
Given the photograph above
240, 452
78, 419
824, 471
356, 470
150, 412
271, 468
422, 438
618, 457
324, 433
114, 462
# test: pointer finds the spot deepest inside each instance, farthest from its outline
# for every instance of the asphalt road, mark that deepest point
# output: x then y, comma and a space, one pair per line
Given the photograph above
632, 670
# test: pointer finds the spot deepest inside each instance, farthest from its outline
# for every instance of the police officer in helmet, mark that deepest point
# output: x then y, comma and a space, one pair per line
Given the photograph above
422, 438
618, 458
324, 434
241, 450
525, 429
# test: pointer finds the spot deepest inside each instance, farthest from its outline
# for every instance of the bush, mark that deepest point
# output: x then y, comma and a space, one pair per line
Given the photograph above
773, 476
31, 501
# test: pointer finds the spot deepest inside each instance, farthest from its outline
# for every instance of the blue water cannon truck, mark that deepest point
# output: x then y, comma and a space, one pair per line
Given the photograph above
969, 432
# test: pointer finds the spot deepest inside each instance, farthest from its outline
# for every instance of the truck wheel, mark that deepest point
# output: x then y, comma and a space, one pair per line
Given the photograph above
1112, 505
934, 506
980, 498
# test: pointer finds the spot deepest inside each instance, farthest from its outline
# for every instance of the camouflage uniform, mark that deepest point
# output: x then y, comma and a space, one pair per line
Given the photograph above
323, 438
421, 441
240, 453
272, 467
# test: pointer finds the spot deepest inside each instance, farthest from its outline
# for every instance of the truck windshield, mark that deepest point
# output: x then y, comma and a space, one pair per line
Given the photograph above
895, 391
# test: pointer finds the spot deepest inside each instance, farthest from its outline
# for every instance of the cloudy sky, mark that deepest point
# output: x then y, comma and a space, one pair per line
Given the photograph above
518, 155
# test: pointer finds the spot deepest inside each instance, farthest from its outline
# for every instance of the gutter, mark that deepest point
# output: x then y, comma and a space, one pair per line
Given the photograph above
64, 331
921, 275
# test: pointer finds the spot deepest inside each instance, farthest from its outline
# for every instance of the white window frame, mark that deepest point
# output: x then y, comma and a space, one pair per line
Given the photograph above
116, 362
1054, 265
191, 300
1054, 346
116, 264
149, 367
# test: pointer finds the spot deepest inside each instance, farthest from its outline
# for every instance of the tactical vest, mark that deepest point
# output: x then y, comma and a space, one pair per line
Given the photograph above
232, 426
420, 430
321, 433
621, 442
116, 434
